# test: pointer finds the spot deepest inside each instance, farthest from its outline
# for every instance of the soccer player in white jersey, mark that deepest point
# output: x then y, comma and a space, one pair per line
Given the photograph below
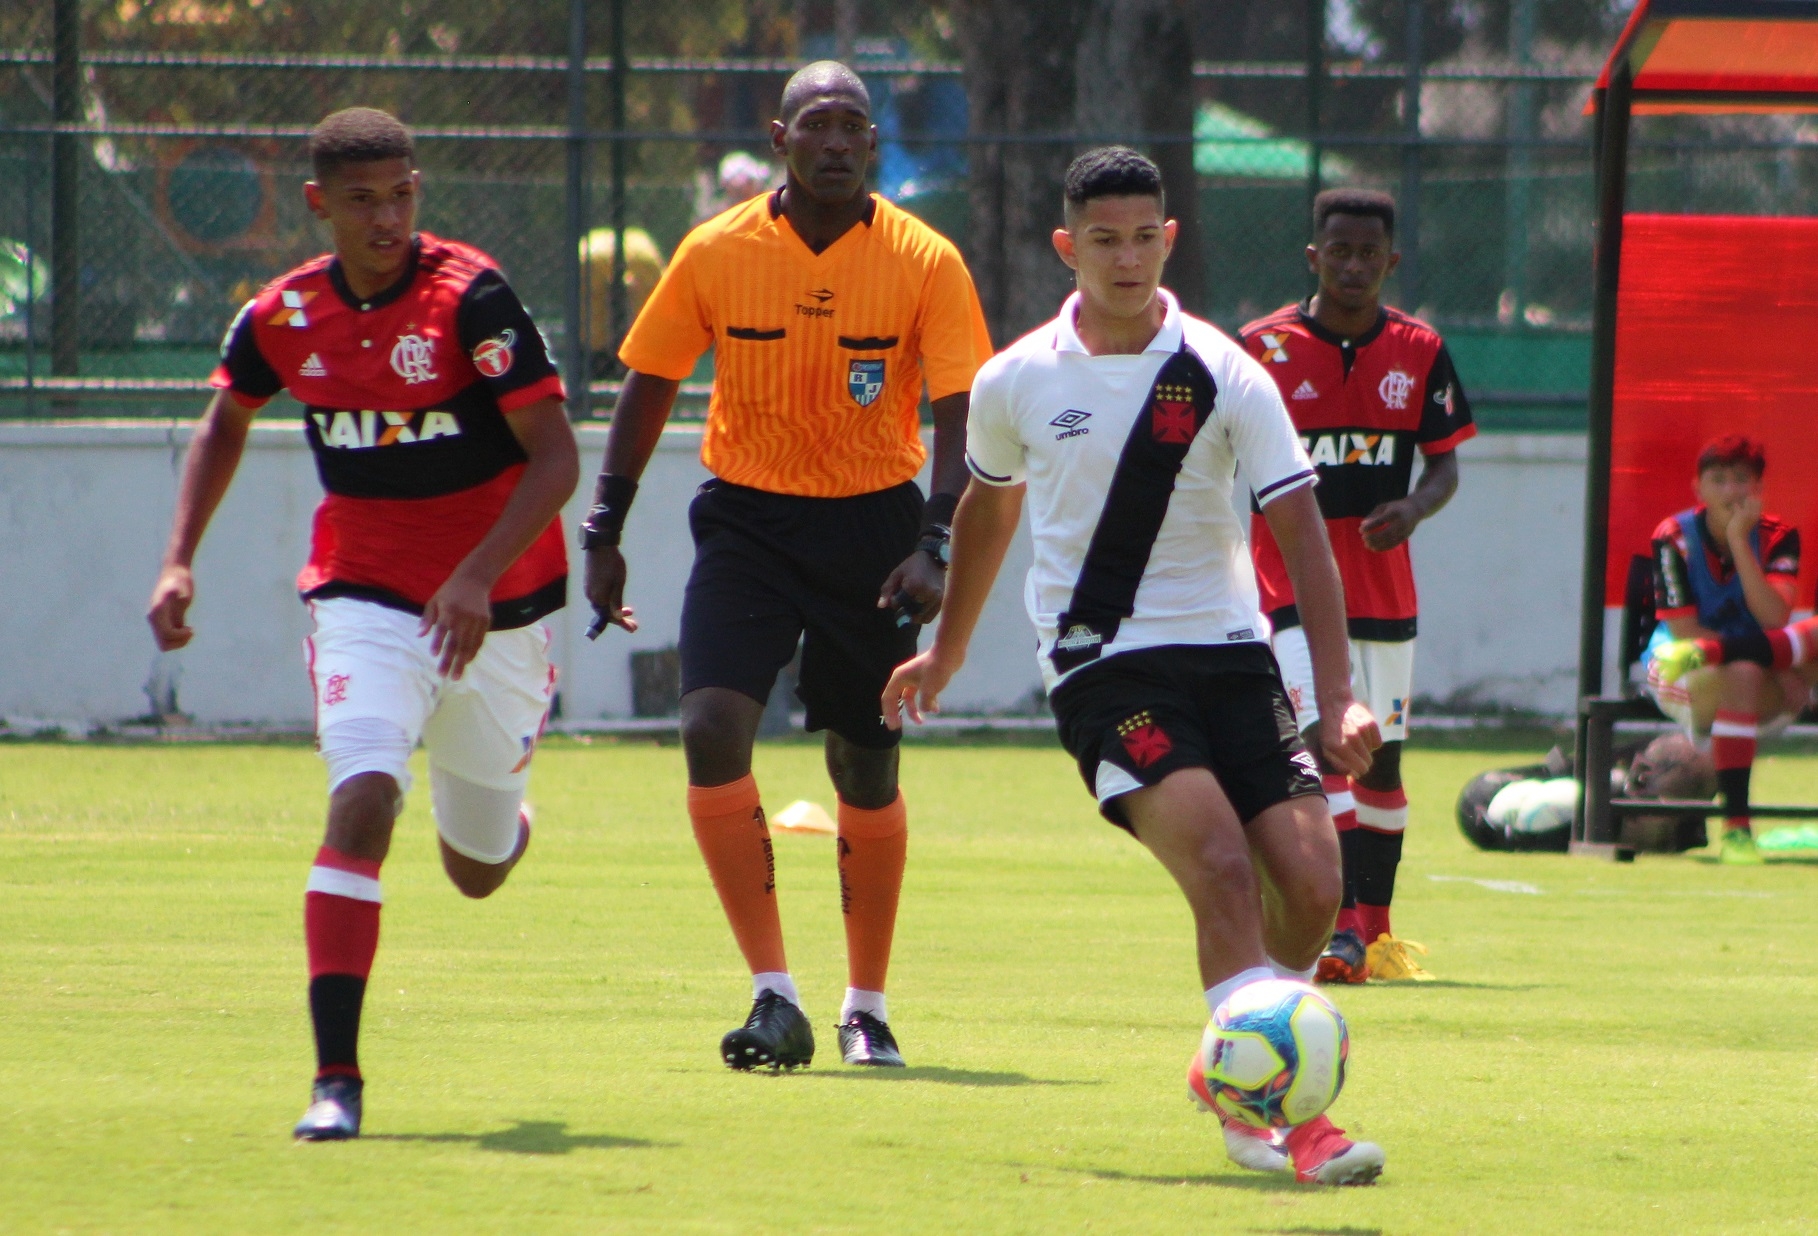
1123, 420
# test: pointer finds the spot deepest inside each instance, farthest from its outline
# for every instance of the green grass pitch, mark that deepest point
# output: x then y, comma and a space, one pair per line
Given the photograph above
1612, 1048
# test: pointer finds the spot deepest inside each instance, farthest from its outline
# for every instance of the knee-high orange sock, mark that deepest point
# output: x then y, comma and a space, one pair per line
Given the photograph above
873, 846
734, 839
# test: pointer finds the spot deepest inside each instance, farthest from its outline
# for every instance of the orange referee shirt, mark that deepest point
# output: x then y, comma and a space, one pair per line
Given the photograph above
820, 358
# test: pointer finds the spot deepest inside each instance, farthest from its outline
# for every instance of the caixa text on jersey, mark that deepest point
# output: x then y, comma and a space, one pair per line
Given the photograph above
354, 431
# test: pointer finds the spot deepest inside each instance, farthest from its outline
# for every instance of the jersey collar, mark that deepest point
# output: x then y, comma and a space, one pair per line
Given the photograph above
338, 281
1167, 339
1305, 309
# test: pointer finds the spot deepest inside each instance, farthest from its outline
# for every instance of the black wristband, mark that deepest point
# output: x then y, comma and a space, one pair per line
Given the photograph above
605, 522
937, 514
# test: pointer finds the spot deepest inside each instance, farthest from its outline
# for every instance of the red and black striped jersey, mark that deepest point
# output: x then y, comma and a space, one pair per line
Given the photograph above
405, 396
1363, 407
1692, 581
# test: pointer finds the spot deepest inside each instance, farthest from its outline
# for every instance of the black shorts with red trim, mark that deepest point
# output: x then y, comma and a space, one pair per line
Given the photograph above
774, 569
1135, 717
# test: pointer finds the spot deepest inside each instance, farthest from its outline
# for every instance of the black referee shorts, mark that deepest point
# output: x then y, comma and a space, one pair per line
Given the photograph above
1135, 717
772, 569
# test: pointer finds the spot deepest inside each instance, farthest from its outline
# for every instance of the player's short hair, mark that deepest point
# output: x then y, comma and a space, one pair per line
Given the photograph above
819, 78
1113, 171
1733, 450
1361, 203
357, 135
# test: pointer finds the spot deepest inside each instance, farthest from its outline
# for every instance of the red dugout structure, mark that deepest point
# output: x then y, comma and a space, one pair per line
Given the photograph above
1701, 325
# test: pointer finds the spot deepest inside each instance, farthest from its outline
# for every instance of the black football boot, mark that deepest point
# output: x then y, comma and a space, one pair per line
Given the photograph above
866, 1040
334, 1111
775, 1036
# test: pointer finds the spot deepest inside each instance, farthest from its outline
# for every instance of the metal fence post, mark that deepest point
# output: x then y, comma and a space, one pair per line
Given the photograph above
1518, 185
31, 282
575, 341
1408, 220
621, 69
1316, 84
66, 167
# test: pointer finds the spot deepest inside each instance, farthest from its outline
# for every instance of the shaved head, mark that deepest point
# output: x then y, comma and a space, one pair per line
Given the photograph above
818, 80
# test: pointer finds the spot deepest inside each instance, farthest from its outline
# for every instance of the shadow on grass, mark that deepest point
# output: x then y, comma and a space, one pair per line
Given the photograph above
529, 1137
1318, 1231
1252, 1182
946, 1077
1444, 984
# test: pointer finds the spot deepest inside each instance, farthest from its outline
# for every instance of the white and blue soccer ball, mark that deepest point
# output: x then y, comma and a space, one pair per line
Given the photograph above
1274, 1054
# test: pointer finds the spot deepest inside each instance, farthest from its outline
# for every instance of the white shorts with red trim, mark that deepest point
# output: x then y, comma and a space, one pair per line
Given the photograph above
1382, 679
367, 663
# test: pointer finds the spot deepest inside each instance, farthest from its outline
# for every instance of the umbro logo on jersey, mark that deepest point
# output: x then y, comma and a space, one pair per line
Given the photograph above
355, 431
1395, 387
1330, 450
1275, 349
313, 368
1071, 423
822, 295
1305, 390
411, 359
291, 313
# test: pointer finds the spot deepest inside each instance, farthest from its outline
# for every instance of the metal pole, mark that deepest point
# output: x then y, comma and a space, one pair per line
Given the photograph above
621, 69
1316, 84
576, 340
1612, 177
1408, 211
31, 270
1519, 184
66, 249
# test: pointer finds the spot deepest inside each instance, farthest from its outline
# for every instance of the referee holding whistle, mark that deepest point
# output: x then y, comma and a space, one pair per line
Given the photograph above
828, 309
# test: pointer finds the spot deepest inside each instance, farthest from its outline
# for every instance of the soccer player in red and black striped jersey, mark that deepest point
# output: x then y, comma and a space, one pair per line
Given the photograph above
436, 421
1368, 387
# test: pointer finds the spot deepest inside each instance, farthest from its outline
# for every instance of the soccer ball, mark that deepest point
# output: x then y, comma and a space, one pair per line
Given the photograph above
1274, 1054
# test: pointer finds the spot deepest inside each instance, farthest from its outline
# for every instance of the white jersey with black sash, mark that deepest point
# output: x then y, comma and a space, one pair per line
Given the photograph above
1130, 461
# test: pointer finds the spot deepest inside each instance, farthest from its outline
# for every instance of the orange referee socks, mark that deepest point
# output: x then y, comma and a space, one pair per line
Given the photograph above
734, 839
873, 846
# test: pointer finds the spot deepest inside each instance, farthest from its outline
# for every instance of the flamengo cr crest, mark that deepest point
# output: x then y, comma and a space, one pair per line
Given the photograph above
1395, 387
411, 358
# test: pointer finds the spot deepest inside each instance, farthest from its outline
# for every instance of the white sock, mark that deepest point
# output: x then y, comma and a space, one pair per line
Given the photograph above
1217, 995
858, 1000
1289, 972
777, 981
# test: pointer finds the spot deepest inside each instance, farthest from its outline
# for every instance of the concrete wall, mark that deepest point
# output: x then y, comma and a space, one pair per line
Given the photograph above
86, 508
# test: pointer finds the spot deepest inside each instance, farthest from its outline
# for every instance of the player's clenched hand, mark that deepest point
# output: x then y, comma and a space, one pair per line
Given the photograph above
1349, 737
916, 688
456, 621
922, 581
1390, 524
170, 599
606, 586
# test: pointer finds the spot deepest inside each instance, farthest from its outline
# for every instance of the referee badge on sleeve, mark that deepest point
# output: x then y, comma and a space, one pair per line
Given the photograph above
865, 380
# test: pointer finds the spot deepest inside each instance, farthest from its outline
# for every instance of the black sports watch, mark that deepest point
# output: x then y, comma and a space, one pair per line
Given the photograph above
937, 543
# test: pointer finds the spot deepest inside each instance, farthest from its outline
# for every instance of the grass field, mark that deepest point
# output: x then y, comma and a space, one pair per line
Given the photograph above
1612, 1048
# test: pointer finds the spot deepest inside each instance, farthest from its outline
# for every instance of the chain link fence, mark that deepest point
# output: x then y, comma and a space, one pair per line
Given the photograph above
188, 165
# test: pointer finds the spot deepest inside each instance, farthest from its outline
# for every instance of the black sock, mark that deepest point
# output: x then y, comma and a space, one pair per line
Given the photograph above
1347, 852
334, 1007
1733, 792
1376, 855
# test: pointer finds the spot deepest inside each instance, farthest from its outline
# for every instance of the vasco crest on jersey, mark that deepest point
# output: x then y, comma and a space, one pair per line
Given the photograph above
865, 381
493, 356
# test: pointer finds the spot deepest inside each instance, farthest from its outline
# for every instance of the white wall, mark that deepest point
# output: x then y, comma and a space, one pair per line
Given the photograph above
86, 509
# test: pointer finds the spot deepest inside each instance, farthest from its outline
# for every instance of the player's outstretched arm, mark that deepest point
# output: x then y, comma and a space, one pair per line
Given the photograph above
637, 426
458, 616
1347, 731
1394, 522
208, 469
982, 529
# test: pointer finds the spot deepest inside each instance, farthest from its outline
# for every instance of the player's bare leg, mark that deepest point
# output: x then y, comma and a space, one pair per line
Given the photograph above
477, 879
873, 847
1295, 850
719, 728
341, 923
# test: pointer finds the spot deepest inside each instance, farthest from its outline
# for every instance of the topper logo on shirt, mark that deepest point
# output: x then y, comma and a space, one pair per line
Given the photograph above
411, 358
493, 356
1395, 387
356, 431
1172, 418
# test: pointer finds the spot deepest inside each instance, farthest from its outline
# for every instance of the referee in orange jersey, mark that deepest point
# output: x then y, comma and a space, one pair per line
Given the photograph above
829, 308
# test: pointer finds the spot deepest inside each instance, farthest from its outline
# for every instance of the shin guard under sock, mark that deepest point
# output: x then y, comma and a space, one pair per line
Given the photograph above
341, 926
1378, 857
729, 827
1733, 752
1343, 806
873, 846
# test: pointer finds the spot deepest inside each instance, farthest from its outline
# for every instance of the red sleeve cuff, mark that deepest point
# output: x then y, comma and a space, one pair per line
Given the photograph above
546, 388
1450, 442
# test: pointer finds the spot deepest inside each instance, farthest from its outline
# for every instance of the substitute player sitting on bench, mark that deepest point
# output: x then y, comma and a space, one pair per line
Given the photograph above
1724, 569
